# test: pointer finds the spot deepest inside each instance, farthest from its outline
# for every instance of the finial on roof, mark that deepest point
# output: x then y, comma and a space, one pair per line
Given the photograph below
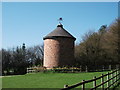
60, 20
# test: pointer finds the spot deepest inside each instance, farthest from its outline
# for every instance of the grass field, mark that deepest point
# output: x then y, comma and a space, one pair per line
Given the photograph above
47, 80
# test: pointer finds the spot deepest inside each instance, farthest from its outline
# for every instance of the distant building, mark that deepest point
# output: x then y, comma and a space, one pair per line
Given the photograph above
58, 48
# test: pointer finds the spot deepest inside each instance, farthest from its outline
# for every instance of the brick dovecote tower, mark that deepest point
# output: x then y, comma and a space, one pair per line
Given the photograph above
58, 48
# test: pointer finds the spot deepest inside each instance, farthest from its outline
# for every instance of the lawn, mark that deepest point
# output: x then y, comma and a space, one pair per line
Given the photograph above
47, 80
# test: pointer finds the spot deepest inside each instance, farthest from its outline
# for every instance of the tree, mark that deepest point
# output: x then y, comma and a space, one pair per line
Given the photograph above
6, 61
90, 51
100, 48
112, 39
19, 60
0, 62
35, 55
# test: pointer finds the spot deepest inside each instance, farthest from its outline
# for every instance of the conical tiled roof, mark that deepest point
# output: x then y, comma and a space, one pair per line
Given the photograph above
59, 32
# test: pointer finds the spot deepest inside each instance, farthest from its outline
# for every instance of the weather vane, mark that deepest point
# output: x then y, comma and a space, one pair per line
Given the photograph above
60, 20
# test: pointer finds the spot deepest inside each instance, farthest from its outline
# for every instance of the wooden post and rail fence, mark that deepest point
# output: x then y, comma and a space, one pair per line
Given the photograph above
108, 80
79, 69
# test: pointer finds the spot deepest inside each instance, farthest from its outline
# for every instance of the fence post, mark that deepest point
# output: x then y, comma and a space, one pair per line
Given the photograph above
113, 78
108, 81
109, 67
72, 69
116, 66
65, 86
116, 76
94, 83
86, 69
110, 78
103, 68
119, 75
80, 68
27, 70
83, 85
102, 81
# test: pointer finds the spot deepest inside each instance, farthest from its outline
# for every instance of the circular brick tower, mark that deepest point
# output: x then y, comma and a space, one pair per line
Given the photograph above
58, 48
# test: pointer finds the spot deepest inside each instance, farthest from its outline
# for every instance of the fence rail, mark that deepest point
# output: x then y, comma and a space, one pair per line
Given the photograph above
74, 69
30, 70
112, 79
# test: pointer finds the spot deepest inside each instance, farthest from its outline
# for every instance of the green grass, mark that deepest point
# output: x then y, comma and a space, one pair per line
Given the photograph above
118, 87
47, 80
0, 83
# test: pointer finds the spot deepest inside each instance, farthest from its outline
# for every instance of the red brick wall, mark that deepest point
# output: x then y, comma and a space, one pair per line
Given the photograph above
58, 52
